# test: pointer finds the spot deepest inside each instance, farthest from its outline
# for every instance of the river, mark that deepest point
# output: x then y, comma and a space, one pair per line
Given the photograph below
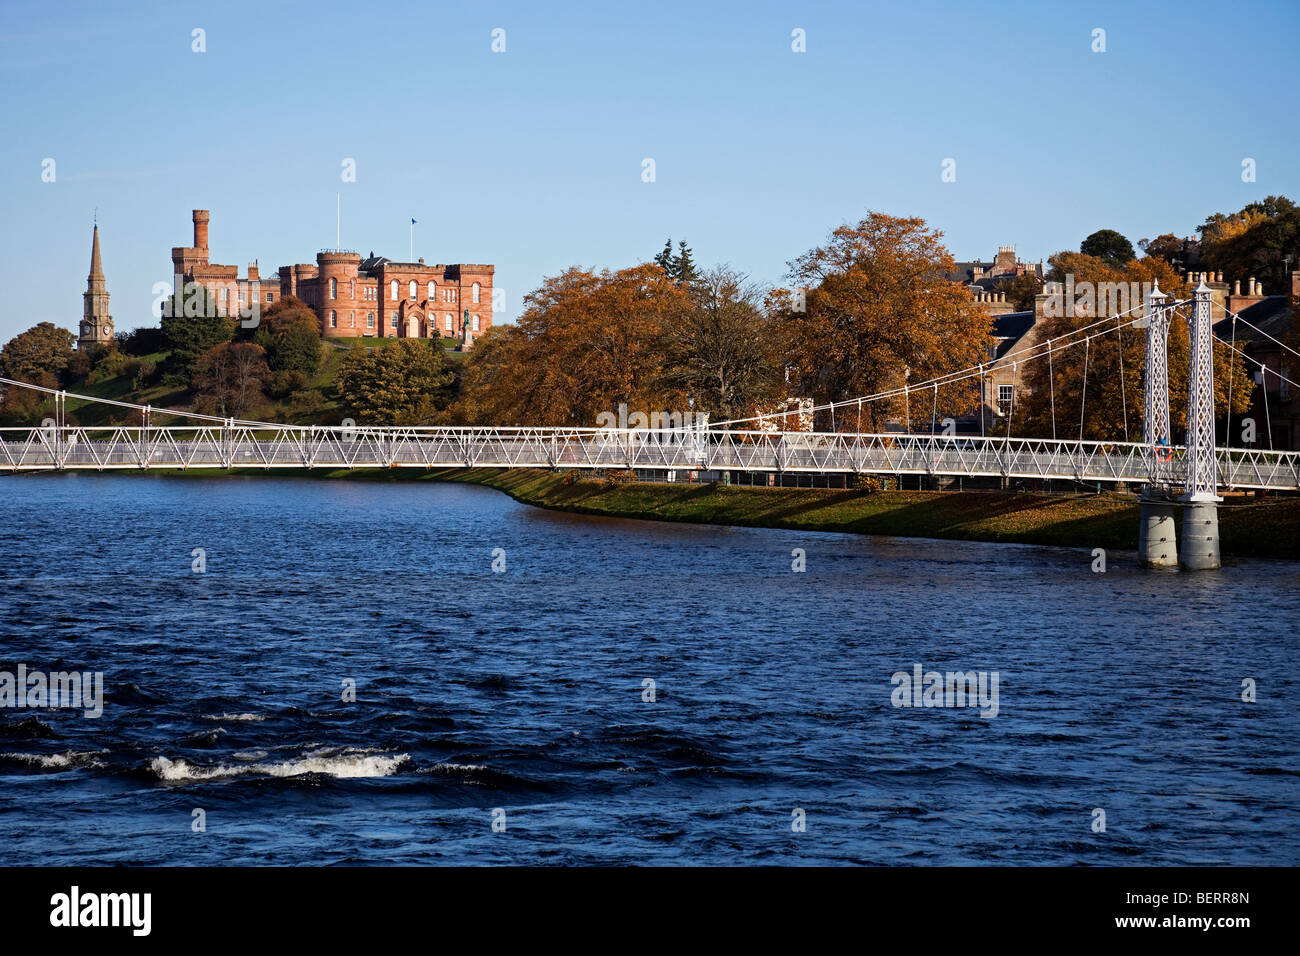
506, 716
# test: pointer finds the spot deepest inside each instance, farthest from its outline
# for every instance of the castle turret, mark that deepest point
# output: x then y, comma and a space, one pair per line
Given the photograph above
96, 323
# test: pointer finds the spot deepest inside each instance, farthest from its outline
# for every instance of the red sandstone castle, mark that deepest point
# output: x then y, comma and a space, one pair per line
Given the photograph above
350, 295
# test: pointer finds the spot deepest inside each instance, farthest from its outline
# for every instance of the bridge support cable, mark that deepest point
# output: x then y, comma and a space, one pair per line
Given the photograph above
949, 378
1123, 394
1051, 386
1083, 395
1227, 428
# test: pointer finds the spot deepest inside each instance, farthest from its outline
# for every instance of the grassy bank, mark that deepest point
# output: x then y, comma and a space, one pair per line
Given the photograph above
1248, 527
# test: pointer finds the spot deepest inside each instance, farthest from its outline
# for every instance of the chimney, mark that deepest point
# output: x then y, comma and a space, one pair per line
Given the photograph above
1236, 287
201, 218
1295, 285
252, 270
1251, 286
1218, 276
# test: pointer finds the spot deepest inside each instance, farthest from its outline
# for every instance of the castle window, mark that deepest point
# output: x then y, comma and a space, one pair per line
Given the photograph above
476, 323
334, 288
370, 320
449, 322
352, 288
392, 290
415, 288
270, 297
476, 291
352, 320
334, 319
433, 290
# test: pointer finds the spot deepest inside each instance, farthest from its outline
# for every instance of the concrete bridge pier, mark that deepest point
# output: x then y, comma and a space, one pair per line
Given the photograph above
1157, 538
1200, 538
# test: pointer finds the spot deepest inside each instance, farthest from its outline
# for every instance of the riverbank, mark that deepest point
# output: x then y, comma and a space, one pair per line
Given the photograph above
1248, 527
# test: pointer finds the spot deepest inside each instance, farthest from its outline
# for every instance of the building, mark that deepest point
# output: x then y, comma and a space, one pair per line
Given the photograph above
983, 276
230, 293
96, 323
1268, 321
352, 296
1014, 333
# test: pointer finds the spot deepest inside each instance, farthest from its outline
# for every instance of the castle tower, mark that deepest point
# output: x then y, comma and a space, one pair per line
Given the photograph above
96, 323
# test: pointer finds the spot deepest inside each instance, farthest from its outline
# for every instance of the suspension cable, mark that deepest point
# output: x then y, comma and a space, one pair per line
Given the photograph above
1123, 394
1051, 384
1083, 397
948, 378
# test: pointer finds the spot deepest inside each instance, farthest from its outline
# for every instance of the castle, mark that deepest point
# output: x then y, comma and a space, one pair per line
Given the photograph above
351, 296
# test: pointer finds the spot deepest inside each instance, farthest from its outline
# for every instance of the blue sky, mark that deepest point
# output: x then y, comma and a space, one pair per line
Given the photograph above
531, 159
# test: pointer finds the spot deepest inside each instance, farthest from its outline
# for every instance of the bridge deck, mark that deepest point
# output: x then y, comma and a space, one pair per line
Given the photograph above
117, 448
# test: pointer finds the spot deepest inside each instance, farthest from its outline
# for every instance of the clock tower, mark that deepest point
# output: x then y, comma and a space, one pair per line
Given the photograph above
96, 323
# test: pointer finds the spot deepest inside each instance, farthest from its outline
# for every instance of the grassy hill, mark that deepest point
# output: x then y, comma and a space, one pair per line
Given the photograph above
315, 404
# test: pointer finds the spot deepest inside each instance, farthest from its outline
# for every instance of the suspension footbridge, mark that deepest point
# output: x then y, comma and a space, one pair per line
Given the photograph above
1187, 476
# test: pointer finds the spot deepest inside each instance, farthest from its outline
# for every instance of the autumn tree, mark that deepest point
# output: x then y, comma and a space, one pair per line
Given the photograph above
1262, 240
877, 314
403, 382
725, 351
230, 379
1093, 387
586, 341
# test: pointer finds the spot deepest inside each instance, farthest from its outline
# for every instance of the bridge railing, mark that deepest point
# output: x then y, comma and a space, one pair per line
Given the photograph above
258, 446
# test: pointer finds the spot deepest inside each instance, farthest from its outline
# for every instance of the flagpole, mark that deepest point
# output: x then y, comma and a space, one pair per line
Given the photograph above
338, 221
411, 257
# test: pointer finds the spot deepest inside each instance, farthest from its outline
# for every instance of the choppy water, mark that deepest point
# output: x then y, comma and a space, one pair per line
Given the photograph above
523, 690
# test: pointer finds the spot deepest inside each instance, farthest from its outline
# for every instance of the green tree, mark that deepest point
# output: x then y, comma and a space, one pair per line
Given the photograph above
680, 267
1108, 246
39, 356
405, 382
665, 259
1021, 291
1165, 246
684, 270
192, 325
290, 332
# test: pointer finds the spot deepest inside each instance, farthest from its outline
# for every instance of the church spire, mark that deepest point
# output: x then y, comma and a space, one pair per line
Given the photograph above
96, 323
96, 267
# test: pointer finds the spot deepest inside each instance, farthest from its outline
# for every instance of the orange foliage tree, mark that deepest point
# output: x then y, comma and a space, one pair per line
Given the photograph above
586, 342
877, 313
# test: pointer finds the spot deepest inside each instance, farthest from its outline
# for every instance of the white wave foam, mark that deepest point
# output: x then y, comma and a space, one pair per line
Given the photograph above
343, 765
65, 761
231, 717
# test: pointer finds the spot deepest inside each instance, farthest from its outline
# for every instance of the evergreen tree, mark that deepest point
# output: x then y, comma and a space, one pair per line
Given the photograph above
665, 259
684, 270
